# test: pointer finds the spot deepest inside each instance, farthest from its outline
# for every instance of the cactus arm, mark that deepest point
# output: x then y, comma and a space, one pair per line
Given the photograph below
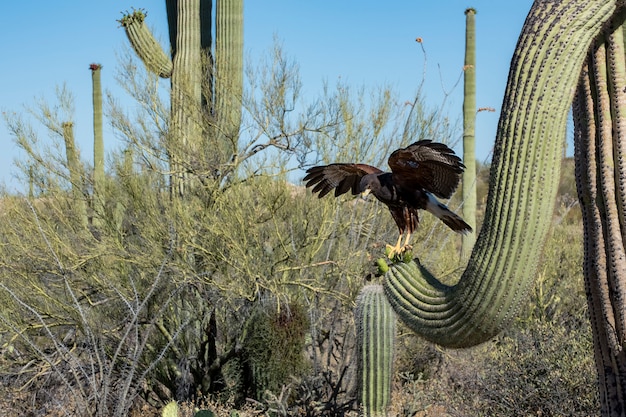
147, 48
524, 180
469, 135
376, 333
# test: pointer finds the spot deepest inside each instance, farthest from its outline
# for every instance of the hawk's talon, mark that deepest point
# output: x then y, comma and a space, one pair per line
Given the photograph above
397, 253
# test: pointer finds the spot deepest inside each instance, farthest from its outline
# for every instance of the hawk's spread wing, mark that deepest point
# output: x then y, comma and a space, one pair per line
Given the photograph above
341, 177
431, 166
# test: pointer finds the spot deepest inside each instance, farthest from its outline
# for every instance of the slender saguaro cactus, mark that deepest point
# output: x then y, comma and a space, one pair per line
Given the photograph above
376, 335
74, 166
469, 135
98, 145
600, 152
524, 178
206, 92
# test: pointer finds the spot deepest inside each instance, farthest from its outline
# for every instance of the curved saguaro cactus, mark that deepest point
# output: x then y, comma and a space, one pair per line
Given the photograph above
376, 334
600, 151
469, 135
206, 93
524, 179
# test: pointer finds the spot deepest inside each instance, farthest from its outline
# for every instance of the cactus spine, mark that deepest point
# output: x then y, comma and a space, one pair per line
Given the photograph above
206, 93
524, 179
98, 145
376, 333
469, 135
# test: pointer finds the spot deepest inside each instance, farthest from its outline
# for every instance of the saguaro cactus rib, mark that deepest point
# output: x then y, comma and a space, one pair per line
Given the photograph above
524, 179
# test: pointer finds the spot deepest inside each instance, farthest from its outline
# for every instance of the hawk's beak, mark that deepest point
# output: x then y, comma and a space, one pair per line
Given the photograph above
366, 192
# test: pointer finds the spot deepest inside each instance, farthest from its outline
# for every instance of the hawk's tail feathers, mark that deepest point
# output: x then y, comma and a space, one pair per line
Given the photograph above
448, 217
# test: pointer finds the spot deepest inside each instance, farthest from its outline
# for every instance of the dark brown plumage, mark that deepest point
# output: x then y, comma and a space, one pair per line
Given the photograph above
419, 172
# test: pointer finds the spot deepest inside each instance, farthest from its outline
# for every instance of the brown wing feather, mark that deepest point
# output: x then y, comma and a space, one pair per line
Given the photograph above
340, 177
428, 165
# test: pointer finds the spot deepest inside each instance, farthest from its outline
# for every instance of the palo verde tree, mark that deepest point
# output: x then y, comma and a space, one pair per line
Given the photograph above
545, 70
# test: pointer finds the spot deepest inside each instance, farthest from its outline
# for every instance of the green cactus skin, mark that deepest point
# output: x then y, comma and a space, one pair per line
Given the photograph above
469, 135
144, 44
523, 184
170, 410
229, 67
186, 93
74, 166
600, 146
98, 144
376, 335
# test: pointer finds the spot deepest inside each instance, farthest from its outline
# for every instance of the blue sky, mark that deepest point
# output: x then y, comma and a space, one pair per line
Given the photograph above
366, 43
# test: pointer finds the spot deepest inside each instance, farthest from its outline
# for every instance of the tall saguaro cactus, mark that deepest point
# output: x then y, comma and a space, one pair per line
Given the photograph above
98, 144
206, 91
469, 133
600, 149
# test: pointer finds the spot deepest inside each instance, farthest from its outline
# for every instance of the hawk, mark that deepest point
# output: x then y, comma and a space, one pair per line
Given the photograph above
420, 173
